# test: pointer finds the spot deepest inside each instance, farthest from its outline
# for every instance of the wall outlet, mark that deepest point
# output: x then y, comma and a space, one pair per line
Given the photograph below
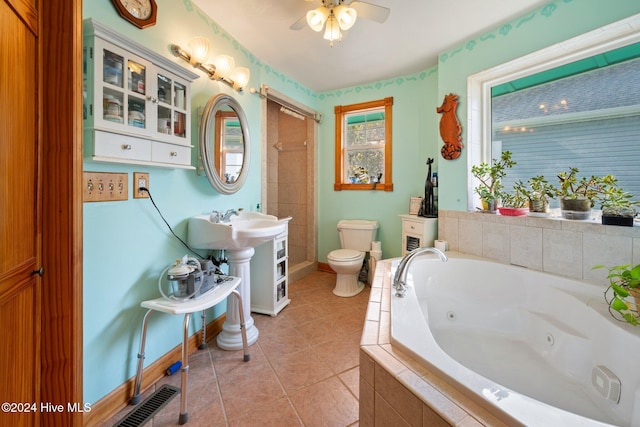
140, 179
105, 186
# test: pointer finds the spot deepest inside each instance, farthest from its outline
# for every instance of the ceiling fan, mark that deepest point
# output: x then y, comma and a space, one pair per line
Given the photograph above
339, 17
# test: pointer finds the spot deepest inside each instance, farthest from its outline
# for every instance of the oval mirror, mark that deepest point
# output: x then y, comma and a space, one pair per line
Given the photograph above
224, 144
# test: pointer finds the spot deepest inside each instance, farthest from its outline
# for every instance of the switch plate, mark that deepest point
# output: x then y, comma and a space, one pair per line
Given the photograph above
105, 186
140, 179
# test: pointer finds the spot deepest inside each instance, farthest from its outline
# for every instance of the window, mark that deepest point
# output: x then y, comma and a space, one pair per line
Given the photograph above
363, 146
592, 125
588, 119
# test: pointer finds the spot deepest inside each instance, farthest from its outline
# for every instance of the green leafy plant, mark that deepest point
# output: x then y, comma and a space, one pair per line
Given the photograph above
537, 190
490, 176
623, 293
614, 200
570, 187
515, 200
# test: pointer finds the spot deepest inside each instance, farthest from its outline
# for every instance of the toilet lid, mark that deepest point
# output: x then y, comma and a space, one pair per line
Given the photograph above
345, 254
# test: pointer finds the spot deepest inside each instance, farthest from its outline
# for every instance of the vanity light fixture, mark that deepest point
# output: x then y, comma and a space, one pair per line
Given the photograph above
223, 66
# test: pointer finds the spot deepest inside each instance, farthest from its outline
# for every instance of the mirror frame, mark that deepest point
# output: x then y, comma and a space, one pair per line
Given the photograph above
207, 142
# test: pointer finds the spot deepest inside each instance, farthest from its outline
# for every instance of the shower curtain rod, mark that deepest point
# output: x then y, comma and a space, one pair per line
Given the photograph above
263, 93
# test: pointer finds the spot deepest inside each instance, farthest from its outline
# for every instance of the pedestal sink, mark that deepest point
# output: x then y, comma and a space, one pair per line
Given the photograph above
238, 237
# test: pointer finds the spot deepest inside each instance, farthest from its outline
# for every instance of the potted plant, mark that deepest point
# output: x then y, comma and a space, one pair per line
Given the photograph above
490, 177
623, 293
616, 204
512, 204
537, 191
577, 197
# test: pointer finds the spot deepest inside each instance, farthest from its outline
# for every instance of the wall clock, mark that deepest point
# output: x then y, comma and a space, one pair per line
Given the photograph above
141, 13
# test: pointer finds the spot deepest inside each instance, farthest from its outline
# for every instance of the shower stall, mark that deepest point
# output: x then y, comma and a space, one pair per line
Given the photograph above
289, 178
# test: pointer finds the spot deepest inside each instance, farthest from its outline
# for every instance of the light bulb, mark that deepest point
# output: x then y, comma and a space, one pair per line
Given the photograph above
199, 48
332, 30
317, 17
224, 66
240, 77
346, 16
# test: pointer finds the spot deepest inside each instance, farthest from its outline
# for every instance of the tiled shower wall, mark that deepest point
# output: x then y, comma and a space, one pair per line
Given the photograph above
289, 182
557, 246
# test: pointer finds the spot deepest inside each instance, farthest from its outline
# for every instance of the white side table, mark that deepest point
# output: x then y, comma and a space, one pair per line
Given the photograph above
208, 300
417, 232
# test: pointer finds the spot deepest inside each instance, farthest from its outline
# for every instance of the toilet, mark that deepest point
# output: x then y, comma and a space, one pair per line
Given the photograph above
356, 236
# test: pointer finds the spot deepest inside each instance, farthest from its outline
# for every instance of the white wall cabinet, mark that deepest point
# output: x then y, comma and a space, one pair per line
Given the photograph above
136, 102
418, 232
270, 276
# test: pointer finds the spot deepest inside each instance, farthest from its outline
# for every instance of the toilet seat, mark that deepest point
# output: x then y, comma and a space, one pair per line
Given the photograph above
345, 255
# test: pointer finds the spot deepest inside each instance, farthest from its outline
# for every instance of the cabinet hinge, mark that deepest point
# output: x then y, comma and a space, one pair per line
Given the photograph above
91, 109
91, 52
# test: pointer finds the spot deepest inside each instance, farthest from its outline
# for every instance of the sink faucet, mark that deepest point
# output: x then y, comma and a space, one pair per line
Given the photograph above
218, 217
401, 272
228, 214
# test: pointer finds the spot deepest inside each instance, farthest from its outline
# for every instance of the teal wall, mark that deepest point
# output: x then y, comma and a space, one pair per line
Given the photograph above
414, 120
126, 244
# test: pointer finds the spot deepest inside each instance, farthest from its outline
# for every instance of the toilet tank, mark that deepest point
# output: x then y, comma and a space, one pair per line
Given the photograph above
357, 234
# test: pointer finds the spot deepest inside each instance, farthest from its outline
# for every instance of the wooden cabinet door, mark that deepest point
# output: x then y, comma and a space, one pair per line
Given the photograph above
20, 296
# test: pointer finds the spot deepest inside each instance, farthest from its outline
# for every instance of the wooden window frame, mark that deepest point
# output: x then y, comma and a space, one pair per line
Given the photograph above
340, 111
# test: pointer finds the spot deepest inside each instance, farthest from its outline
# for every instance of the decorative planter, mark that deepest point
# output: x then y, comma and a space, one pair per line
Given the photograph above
512, 211
575, 208
489, 205
626, 221
621, 216
538, 206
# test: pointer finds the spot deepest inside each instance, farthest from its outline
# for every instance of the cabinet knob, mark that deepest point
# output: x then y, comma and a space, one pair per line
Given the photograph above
126, 146
153, 99
174, 154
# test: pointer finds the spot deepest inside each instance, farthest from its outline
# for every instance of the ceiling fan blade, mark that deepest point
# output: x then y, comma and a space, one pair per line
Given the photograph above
370, 11
299, 24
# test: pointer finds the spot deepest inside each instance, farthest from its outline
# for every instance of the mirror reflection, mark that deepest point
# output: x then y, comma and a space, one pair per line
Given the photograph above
224, 144
229, 145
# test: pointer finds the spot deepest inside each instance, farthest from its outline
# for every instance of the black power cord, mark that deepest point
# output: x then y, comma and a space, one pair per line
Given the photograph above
168, 226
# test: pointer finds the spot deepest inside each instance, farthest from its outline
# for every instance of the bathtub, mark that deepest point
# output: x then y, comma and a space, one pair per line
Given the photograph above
533, 348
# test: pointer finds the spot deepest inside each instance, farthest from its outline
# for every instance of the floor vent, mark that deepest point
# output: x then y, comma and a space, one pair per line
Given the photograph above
151, 406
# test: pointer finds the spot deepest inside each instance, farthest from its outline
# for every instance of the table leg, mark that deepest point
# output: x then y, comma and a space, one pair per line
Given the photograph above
184, 416
143, 337
203, 344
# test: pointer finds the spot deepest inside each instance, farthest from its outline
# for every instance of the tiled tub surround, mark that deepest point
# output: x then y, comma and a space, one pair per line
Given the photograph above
564, 247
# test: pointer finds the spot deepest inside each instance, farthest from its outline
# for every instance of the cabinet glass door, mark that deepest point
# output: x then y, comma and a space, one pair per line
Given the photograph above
164, 84
180, 114
136, 84
112, 94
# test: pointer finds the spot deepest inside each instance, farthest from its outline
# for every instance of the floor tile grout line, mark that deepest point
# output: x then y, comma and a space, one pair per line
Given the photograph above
217, 377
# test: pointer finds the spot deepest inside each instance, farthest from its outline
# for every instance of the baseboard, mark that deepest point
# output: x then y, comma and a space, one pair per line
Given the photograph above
324, 266
109, 405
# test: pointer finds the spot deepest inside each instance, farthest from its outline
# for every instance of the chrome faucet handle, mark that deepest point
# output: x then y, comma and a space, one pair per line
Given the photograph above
215, 217
228, 214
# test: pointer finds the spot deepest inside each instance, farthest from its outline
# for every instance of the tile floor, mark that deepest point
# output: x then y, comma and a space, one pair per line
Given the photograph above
303, 369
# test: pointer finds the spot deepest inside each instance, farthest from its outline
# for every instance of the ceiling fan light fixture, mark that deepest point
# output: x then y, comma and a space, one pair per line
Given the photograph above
332, 30
346, 16
317, 17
